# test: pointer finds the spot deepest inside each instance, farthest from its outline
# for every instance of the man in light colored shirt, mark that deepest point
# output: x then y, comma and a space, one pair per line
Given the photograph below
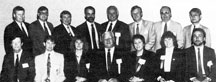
200, 59
49, 65
140, 26
165, 25
195, 18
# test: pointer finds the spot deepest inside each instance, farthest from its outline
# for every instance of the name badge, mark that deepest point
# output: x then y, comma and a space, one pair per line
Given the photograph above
25, 65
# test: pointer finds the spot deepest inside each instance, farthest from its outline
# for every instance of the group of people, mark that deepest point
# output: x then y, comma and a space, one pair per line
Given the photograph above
142, 51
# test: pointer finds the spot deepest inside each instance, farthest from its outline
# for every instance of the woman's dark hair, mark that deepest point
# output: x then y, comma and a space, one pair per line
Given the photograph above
168, 34
85, 44
138, 36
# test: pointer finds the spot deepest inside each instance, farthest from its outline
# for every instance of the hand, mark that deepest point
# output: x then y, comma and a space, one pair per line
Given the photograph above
195, 80
162, 80
206, 80
113, 80
136, 79
80, 79
102, 80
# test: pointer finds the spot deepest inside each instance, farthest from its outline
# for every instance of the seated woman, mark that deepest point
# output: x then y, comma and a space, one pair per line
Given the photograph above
140, 63
170, 60
77, 63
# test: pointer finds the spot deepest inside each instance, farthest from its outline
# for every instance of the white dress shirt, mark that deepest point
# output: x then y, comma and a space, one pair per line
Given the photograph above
196, 26
42, 24
113, 24
111, 54
201, 53
24, 27
56, 70
69, 30
168, 59
163, 25
19, 55
139, 26
90, 33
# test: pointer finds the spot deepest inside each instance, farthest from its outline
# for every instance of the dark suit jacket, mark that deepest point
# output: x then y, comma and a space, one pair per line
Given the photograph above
62, 38
177, 71
100, 69
13, 30
146, 70
83, 29
208, 55
123, 28
73, 69
37, 34
25, 74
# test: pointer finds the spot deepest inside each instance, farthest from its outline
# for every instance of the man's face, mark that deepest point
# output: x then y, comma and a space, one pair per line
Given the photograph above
19, 16
136, 14
108, 40
66, 19
79, 45
16, 45
112, 15
198, 38
168, 42
43, 15
165, 14
90, 15
195, 17
49, 45
138, 44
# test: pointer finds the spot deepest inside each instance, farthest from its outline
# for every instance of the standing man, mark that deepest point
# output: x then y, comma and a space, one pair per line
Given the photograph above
49, 65
119, 28
165, 25
140, 26
40, 29
64, 33
200, 59
195, 17
90, 29
17, 28
18, 65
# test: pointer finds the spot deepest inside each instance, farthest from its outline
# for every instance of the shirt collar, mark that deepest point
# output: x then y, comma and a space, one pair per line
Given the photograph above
197, 25
113, 22
41, 22
111, 49
200, 47
49, 52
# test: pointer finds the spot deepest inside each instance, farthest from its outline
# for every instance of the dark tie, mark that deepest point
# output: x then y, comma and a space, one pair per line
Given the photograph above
24, 30
137, 29
200, 74
46, 30
193, 28
16, 69
48, 65
109, 59
110, 27
93, 37
165, 27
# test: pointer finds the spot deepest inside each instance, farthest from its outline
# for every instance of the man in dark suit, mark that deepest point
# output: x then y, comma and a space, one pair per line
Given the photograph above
119, 28
17, 28
64, 33
108, 61
200, 59
18, 65
40, 29
90, 29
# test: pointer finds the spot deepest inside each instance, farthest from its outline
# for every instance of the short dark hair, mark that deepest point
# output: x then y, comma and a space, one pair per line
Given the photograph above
136, 7
165, 7
83, 39
168, 34
41, 8
64, 12
200, 30
112, 7
51, 38
14, 37
17, 8
197, 10
138, 36
89, 7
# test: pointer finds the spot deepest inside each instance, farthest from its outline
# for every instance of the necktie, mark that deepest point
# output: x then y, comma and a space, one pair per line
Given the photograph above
200, 74
16, 69
194, 28
93, 37
69, 30
48, 66
110, 27
109, 59
46, 30
24, 30
137, 29
165, 27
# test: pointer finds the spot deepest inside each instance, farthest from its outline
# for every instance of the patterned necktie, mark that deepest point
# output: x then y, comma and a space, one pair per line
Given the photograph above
109, 59
16, 69
48, 65
137, 29
93, 37
110, 27
165, 27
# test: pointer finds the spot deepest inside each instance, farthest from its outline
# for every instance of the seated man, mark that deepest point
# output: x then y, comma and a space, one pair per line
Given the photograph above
17, 65
49, 66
